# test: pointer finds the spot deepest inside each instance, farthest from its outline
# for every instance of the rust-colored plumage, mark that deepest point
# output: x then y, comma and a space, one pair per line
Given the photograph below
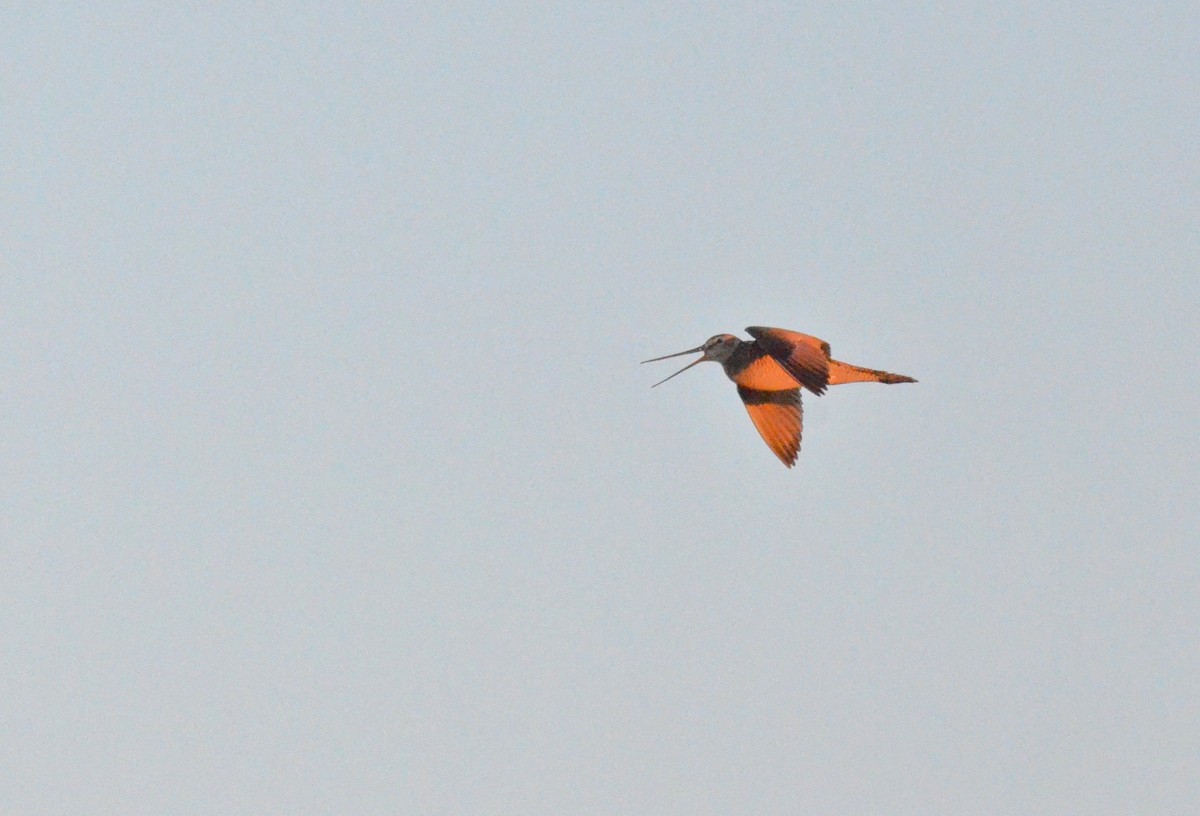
770, 371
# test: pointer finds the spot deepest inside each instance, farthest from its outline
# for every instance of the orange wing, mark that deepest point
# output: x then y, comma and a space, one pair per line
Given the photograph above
779, 418
804, 357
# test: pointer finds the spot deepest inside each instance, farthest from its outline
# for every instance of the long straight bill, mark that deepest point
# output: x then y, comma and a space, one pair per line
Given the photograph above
678, 354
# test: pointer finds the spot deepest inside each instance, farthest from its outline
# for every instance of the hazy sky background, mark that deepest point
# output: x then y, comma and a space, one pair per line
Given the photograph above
331, 482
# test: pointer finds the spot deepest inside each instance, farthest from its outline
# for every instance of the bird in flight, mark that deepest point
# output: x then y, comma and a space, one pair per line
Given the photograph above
769, 372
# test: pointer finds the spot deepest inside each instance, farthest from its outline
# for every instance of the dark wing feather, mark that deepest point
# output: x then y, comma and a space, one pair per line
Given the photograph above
779, 418
804, 357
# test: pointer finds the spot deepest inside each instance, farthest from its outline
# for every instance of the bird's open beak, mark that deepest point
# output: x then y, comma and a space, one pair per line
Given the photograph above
677, 354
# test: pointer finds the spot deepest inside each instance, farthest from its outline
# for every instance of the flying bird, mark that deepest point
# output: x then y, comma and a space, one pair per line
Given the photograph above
769, 372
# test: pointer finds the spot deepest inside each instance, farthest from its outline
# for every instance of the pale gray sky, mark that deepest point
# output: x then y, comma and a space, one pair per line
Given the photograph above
332, 484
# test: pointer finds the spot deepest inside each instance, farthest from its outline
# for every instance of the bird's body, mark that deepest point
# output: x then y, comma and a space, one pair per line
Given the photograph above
769, 372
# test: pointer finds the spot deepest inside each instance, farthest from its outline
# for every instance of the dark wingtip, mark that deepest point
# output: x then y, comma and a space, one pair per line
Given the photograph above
815, 381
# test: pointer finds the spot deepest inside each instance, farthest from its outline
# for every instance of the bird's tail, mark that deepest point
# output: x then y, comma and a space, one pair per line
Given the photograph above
840, 373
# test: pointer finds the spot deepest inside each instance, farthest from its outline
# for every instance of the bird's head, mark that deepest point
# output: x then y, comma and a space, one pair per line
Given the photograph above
716, 348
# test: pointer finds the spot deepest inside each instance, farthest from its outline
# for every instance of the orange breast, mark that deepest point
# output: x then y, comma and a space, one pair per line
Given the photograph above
764, 374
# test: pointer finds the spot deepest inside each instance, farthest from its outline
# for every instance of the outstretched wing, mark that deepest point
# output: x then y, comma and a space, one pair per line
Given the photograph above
804, 357
778, 417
